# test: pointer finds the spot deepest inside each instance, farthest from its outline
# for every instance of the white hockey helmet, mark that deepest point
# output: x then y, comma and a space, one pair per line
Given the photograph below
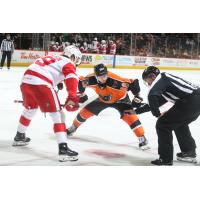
67, 44
73, 51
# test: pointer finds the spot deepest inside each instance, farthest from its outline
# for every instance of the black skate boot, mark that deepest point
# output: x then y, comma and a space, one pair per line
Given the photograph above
66, 154
189, 156
143, 143
161, 162
21, 140
71, 130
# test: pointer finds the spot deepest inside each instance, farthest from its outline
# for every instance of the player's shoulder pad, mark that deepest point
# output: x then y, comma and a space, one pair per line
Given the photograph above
118, 78
82, 78
90, 75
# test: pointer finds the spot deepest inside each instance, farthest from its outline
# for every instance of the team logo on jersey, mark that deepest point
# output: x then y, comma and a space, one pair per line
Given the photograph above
47, 104
115, 84
125, 85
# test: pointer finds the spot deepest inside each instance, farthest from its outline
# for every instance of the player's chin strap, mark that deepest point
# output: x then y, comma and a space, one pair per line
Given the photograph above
66, 56
69, 58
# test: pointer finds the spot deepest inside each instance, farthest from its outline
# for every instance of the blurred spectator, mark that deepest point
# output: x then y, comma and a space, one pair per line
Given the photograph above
51, 46
95, 46
103, 47
112, 47
84, 48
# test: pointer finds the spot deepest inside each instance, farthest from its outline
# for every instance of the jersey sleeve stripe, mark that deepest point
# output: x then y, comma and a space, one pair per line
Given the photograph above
72, 75
33, 73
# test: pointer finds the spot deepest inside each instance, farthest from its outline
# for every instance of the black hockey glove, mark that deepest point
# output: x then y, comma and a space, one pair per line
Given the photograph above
60, 86
82, 97
137, 101
144, 107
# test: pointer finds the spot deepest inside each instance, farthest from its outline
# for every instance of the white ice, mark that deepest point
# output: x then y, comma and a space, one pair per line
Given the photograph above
103, 140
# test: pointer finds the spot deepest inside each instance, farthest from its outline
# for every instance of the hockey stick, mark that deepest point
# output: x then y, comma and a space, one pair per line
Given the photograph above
18, 101
21, 101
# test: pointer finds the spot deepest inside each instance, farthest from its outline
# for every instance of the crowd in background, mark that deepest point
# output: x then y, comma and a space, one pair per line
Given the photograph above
176, 45
89, 43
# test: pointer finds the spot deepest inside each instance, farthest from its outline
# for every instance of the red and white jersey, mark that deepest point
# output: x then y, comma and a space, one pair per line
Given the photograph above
95, 47
50, 70
103, 48
84, 49
61, 48
112, 48
51, 48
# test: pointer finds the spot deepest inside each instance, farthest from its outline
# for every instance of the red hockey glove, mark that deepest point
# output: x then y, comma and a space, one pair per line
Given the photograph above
72, 103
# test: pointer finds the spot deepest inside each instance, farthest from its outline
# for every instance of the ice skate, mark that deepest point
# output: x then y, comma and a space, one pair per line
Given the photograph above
160, 162
189, 156
21, 140
143, 143
71, 130
66, 154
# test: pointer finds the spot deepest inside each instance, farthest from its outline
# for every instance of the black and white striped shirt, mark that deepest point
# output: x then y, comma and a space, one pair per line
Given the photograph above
7, 45
169, 87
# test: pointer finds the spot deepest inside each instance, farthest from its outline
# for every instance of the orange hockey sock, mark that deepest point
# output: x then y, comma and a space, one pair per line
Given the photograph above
82, 116
134, 123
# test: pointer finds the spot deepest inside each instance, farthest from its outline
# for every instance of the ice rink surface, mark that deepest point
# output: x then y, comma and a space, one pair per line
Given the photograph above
104, 140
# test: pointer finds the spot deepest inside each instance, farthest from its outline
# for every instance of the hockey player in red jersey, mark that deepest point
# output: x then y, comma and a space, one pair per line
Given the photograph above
103, 47
112, 47
37, 90
95, 46
84, 48
52, 46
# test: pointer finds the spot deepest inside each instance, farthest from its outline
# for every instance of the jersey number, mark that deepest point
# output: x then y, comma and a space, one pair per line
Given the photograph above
47, 60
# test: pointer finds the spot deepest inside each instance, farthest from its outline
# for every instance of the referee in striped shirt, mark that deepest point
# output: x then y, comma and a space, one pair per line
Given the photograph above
165, 87
7, 49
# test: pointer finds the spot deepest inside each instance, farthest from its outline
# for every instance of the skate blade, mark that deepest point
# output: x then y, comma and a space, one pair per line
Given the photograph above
19, 143
187, 159
64, 158
144, 148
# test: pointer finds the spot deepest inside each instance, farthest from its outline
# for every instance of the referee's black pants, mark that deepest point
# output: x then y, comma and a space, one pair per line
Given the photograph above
4, 55
177, 119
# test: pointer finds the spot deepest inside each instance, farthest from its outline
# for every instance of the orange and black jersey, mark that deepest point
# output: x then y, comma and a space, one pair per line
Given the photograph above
113, 90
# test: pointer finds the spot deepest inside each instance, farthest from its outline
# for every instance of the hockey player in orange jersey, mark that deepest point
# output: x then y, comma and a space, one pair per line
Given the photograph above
113, 92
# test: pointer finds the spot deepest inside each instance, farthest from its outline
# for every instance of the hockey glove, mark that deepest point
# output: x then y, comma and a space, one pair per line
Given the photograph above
137, 101
144, 107
82, 97
72, 103
60, 86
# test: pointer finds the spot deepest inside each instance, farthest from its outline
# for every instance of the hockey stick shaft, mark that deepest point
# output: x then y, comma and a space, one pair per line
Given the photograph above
20, 101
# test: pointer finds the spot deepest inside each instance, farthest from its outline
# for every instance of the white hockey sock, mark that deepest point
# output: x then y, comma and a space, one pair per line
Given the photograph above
61, 137
21, 128
27, 115
58, 117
